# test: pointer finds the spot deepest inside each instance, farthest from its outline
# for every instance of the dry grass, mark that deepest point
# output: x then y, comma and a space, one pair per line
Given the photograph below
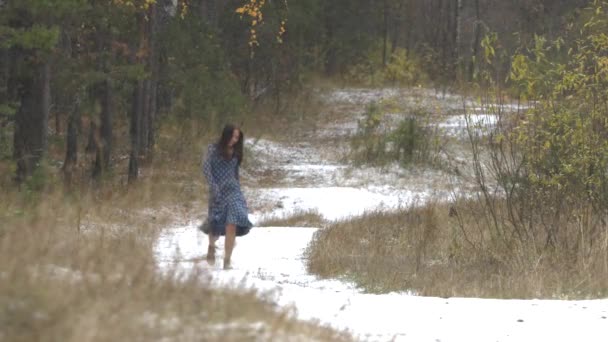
86, 272
79, 265
298, 113
308, 218
443, 250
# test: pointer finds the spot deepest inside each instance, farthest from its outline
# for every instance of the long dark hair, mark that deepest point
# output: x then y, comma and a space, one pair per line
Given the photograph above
225, 139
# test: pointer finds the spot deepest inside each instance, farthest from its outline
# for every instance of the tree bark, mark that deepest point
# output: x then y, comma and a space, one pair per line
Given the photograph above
384, 30
93, 139
31, 122
163, 91
104, 146
330, 57
475, 42
71, 151
409, 16
150, 85
145, 120
152, 117
5, 76
397, 26
458, 37
138, 104
135, 131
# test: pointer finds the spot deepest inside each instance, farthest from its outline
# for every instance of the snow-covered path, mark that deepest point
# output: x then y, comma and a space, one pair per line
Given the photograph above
271, 258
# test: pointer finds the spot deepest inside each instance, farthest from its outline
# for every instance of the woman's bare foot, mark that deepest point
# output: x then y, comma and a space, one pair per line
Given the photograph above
227, 264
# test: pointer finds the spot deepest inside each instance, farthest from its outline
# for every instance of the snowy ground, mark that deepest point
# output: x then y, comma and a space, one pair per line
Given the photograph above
271, 258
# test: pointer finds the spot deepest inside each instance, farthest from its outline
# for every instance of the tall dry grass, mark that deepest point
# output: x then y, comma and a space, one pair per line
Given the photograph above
86, 272
445, 250
303, 218
78, 264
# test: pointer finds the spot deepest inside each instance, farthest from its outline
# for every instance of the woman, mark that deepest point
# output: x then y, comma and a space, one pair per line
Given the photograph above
227, 213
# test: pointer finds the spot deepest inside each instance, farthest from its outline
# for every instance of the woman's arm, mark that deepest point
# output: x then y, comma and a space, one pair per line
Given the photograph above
207, 166
236, 173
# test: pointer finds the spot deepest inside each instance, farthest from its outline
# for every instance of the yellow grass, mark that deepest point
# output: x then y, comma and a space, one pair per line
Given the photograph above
444, 250
79, 265
308, 218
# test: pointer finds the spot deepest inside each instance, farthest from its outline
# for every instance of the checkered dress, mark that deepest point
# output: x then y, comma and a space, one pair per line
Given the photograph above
227, 204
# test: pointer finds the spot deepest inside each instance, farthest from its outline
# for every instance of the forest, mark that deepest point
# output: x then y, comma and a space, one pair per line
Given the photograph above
106, 107
75, 70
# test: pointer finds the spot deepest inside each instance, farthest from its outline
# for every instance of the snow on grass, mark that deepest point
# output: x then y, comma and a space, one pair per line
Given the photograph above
312, 178
456, 125
272, 259
360, 96
334, 203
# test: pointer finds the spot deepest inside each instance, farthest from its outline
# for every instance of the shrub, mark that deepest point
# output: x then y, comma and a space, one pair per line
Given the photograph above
404, 70
378, 143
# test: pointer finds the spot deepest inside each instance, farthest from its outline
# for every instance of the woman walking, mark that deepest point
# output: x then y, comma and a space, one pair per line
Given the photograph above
227, 214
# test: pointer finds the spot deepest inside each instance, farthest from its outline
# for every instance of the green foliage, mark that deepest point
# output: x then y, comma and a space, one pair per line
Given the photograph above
488, 68
35, 24
377, 143
44, 8
197, 69
37, 37
369, 144
371, 119
6, 143
43, 178
535, 74
487, 44
563, 138
409, 141
367, 73
404, 69
551, 161
8, 110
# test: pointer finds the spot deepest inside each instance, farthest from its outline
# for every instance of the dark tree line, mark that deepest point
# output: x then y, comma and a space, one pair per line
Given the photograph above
68, 62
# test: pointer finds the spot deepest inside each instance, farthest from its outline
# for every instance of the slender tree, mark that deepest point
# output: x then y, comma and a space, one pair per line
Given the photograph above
30, 42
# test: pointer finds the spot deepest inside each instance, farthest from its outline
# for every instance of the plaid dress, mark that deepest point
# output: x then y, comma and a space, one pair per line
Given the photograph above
227, 204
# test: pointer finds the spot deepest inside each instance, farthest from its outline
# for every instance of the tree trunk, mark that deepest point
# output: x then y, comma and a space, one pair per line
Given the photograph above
145, 120
458, 37
331, 54
397, 26
71, 151
5, 76
135, 131
384, 31
152, 117
150, 85
138, 103
475, 42
93, 139
163, 91
31, 122
61, 96
104, 147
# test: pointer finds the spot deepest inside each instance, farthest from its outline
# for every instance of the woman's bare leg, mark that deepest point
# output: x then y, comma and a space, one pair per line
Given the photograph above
211, 249
229, 244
